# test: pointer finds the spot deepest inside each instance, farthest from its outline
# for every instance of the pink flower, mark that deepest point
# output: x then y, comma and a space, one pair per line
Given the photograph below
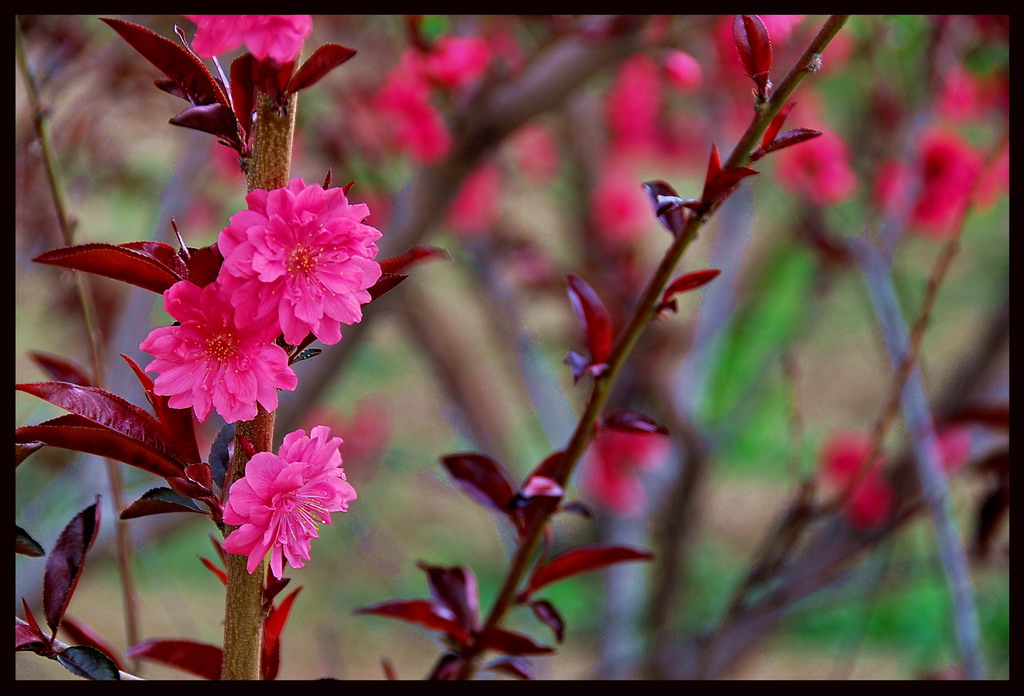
210, 361
276, 36
416, 125
947, 167
300, 258
683, 70
284, 497
818, 169
535, 152
633, 103
994, 181
955, 446
842, 456
619, 206
614, 463
456, 61
475, 207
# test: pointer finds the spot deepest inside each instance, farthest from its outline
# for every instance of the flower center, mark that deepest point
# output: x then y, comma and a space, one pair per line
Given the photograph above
221, 347
302, 260
305, 511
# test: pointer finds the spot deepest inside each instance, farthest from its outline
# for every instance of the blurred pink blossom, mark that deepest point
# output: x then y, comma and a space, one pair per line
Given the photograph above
619, 207
456, 61
284, 497
841, 458
299, 257
417, 127
535, 152
817, 169
275, 36
947, 167
633, 102
614, 464
212, 361
684, 72
477, 204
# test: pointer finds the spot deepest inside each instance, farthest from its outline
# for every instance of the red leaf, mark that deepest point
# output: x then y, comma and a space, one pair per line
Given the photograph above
723, 184
273, 625
790, 137
242, 91
203, 265
685, 283
158, 501
992, 416
593, 317
106, 409
24, 448
25, 545
386, 282
389, 669
422, 612
454, 588
174, 61
177, 423
81, 435
119, 262
510, 665
581, 560
544, 611
60, 369
29, 637
511, 643
80, 634
216, 119
636, 421
221, 575
670, 209
776, 125
446, 668
752, 43
482, 478
65, 562
714, 165
202, 659
322, 61
415, 254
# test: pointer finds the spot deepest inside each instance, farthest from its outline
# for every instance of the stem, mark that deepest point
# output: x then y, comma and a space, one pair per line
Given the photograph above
243, 607
87, 304
642, 314
60, 646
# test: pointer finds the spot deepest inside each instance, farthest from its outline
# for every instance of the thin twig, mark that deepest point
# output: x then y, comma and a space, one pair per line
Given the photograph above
87, 304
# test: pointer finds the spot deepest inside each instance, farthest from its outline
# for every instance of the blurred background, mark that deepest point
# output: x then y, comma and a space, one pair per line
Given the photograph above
757, 371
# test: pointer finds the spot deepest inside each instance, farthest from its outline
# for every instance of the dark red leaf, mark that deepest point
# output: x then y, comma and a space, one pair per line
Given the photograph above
723, 184
541, 486
347, 187
273, 625
790, 137
177, 423
26, 545
272, 589
510, 665
422, 612
158, 501
752, 43
322, 61
544, 611
29, 639
511, 643
105, 409
635, 421
221, 575
60, 369
685, 283
593, 317
416, 253
714, 165
446, 668
88, 663
992, 416
242, 91
82, 435
161, 253
389, 669
200, 474
189, 489
204, 265
65, 562
80, 634
669, 208
454, 588
114, 261
327, 180
216, 119
386, 282
218, 546
776, 125
24, 448
484, 479
171, 87
202, 659
581, 560
174, 61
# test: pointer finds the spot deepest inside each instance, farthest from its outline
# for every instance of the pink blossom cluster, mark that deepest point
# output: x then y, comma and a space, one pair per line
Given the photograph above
297, 261
284, 498
266, 36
